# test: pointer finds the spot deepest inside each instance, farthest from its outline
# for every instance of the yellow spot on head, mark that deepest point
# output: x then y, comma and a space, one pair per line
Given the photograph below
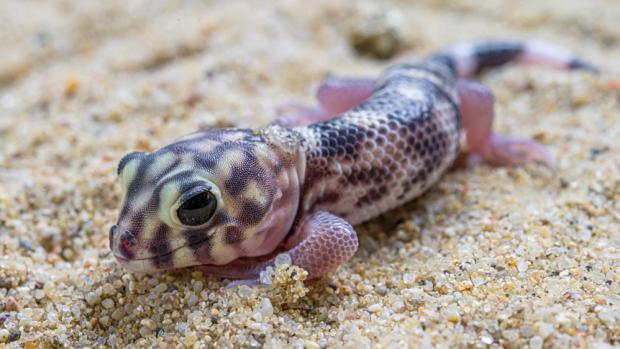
233, 157
128, 173
159, 164
254, 192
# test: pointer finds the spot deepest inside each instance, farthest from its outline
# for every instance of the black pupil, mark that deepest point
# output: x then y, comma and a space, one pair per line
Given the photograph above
198, 209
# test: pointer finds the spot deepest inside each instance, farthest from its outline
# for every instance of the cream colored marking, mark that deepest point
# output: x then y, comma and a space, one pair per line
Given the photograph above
184, 257
222, 253
422, 75
412, 92
187, 161
233, 157
139, 201
232, 136
232, 207
158, 165
252, 191
204, 146
167, 198
129, 173
148, 234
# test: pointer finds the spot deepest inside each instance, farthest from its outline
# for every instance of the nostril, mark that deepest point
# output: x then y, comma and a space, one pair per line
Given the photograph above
128, 239
126, 243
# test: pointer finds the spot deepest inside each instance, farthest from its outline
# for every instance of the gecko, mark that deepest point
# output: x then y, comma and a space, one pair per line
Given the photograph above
227, 201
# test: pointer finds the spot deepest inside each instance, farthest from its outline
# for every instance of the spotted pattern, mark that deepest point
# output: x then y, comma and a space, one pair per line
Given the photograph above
387, 150
300, 189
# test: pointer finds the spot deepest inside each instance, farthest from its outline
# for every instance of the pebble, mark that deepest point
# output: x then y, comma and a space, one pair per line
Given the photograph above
282, 259
409, 278
198, 286
585, 235
160, 288
522, 266
246, 292
375, 308
4, 335
39, 294
148, 323
265, 308
311, 345
190, 339
92, 298
452, 313
10, 304
118, 314
266, 276
486, 338
381, 290
545, 329
192, 300
378, 36
536, 342
398, 306
108, 303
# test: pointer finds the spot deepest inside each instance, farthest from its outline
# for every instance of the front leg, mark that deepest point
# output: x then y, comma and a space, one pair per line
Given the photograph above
322, 243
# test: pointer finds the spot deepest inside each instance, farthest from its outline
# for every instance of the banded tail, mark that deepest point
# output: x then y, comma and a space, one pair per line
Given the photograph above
469, 59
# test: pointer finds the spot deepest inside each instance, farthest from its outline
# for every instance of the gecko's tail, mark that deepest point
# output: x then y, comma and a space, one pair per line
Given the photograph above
469, 59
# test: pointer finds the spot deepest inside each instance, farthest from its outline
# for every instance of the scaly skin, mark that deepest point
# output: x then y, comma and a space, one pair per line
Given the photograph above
228, 200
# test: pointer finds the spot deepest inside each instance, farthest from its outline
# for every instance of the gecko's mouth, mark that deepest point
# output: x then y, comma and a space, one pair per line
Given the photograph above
240, 268
143, 256
159, 262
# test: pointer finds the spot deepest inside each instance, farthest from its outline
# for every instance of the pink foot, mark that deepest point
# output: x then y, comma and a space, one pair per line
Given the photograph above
477, 113
327, 241
335, 95
507, 151
320, 244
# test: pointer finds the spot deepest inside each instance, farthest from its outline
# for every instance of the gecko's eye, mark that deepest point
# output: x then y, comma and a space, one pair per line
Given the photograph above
197, 208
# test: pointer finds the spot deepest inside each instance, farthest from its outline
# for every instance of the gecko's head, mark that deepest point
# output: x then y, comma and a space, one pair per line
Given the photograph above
207, 199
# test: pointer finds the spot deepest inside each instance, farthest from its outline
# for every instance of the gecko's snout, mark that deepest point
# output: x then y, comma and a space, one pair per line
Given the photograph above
122, 242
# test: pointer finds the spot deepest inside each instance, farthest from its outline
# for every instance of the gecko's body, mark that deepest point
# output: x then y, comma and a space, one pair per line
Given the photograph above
229, 199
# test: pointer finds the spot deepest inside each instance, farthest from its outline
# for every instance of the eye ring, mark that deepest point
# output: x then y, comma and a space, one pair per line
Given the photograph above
196, 207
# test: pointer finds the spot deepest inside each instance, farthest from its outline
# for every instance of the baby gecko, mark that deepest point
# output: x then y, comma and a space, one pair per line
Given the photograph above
229, 200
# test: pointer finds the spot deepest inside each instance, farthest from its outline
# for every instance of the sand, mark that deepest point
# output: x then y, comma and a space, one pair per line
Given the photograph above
490, 257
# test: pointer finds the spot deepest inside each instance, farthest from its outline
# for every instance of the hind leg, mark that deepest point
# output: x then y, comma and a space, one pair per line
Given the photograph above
477, 113
335, 95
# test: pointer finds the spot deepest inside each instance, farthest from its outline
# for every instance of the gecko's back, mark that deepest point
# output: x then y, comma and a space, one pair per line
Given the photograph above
387, 150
